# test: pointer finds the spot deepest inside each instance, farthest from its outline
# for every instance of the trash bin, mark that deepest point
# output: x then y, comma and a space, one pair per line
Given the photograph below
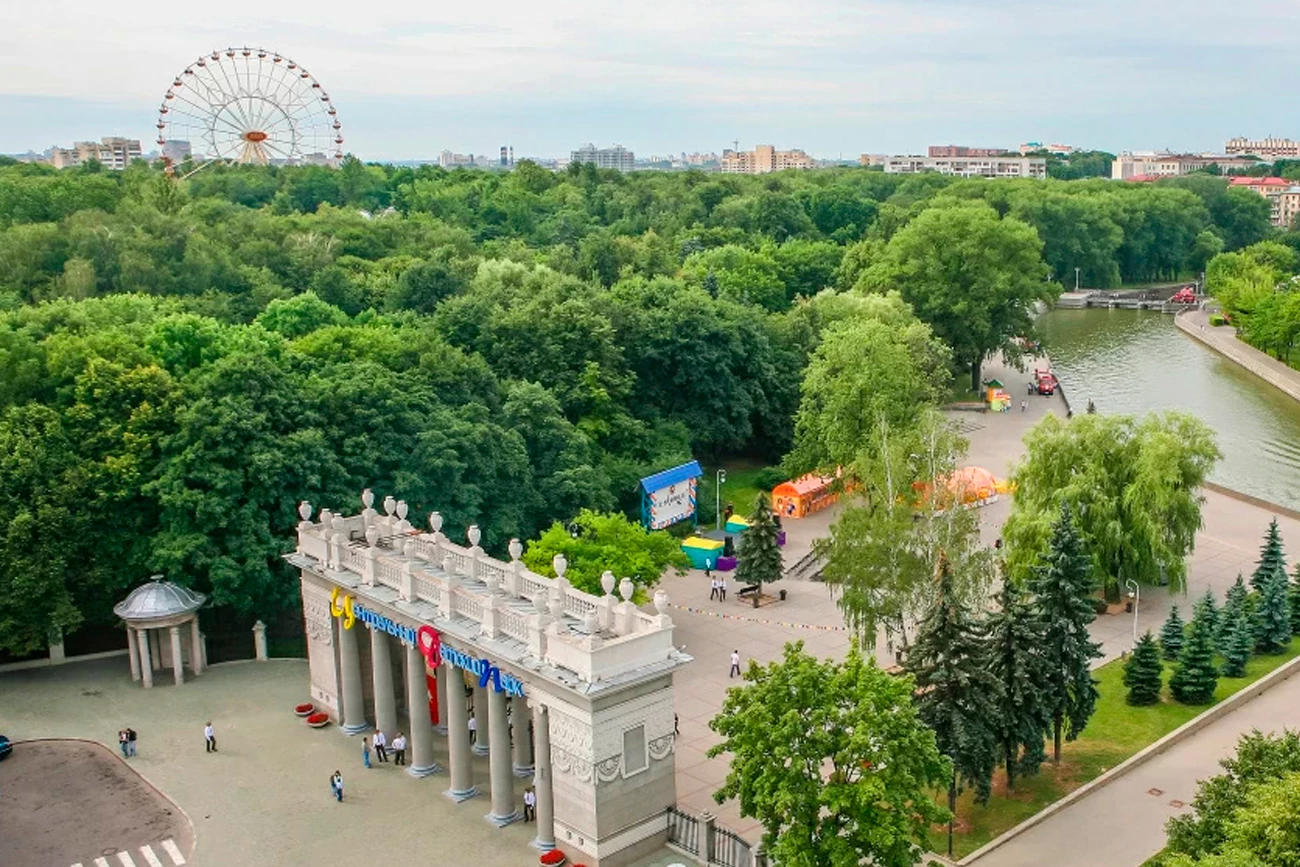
782, 595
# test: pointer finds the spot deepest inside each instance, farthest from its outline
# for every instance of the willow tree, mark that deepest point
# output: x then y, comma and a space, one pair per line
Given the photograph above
1132, 485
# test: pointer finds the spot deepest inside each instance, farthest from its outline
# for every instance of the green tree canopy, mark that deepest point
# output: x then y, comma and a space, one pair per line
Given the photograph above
832, 759
605, 542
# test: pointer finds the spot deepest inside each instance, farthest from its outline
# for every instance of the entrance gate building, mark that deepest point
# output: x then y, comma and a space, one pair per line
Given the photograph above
571, 689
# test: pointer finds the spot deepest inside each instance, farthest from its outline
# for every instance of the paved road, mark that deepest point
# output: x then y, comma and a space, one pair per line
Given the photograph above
1122, 824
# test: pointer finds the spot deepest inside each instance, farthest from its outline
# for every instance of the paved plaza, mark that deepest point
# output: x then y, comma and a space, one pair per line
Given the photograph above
268, 784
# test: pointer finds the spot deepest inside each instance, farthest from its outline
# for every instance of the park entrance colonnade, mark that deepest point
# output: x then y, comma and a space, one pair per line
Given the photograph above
456, 635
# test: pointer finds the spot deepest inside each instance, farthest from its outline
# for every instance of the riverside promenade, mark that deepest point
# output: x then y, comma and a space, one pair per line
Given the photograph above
1223, 340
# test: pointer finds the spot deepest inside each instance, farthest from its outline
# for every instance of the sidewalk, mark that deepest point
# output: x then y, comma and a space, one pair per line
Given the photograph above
1223, 340
1123, 823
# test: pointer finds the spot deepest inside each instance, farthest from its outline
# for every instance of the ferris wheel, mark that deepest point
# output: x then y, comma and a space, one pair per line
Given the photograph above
248, 105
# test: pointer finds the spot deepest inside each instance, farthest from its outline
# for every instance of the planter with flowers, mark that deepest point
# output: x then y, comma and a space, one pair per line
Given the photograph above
304, 709
553, 858
318, 720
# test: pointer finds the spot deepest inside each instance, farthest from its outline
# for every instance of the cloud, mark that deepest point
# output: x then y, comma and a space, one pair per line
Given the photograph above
824, 74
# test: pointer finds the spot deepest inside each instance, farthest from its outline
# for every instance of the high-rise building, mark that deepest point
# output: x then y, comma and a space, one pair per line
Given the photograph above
1268, 147
763, 159
616, 157
114, 152
969, 167
1282, 196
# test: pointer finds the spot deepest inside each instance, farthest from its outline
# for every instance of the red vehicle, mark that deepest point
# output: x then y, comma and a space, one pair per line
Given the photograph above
1186, 295
1045, 381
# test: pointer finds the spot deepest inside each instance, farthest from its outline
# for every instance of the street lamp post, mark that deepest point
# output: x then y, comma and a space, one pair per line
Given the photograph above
1134, 593
717, 490
1076, 279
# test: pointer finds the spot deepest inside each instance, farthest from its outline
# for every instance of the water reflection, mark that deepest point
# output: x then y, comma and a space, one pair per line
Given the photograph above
1134, 361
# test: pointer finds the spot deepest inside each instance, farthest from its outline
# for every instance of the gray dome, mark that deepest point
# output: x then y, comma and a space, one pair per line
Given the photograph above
156, 599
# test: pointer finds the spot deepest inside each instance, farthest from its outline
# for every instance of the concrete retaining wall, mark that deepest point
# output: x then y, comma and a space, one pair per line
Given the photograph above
1223, 340
1179, 734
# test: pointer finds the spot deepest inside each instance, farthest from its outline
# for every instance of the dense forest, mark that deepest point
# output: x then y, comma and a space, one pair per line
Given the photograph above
183, 361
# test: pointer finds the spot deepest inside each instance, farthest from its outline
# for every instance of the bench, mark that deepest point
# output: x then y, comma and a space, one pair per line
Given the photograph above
749, 590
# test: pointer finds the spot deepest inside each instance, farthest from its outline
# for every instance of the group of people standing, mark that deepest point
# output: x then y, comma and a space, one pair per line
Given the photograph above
717, 585
382, 749
126, 742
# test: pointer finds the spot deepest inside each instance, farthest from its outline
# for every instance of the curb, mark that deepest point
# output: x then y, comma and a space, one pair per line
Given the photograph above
1181, 733
194, 834
1244, 355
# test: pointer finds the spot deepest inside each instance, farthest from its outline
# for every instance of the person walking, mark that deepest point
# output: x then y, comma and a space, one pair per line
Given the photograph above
713, 589
399, 749
365, 752
735, 663
1024, 405
336, 786
381, 746
530, 805
210, 737
473, 729
722, 587
121, 742
130, 741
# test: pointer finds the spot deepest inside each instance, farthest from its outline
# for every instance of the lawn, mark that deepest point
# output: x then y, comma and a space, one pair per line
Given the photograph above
739, 489
1115, 732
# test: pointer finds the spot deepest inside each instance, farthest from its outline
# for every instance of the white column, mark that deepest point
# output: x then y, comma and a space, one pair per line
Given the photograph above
521, 723
462, 771
155, 648
133, 651
417, 703
196, 647
382, 678
545, 839
503, 781
481, 723
259, 641
354, 701
146, 665
178, 666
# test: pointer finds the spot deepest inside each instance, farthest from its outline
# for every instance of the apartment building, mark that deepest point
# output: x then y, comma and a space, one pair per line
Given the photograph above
1282, 195
1266, 147
616, 157
114, 152
763, 159
1162, 164
950, 151
969, 167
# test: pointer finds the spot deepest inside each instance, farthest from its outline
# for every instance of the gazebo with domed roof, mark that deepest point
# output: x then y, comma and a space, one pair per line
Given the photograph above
155, 606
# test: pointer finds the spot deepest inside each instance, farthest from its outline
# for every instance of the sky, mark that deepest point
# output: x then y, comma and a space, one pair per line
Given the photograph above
833, 77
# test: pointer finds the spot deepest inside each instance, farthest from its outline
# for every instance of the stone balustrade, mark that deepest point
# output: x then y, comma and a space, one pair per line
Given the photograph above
596, 637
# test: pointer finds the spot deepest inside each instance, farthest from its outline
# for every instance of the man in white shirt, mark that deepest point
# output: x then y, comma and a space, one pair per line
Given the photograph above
210, 737
399, 749
381, 746
530, 805
473, 729
735, 663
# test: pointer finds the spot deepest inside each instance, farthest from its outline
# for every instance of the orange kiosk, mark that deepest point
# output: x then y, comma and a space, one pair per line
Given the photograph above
801, 497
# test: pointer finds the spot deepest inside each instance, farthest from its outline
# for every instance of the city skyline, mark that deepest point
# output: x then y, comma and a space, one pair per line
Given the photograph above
840, 79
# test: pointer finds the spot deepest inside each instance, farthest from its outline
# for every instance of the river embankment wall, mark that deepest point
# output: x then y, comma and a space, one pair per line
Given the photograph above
1223, 340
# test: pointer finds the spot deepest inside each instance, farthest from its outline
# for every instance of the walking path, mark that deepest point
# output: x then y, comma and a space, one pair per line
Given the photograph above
710, 631
1123, 823
1223, 339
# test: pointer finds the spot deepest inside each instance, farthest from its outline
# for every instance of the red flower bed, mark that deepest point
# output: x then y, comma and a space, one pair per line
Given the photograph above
553, 858
305, 709
317, 720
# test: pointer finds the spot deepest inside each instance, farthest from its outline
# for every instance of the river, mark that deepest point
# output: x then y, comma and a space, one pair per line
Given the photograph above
1134, 361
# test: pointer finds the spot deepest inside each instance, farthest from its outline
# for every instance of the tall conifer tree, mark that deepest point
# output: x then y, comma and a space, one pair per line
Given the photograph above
1015, 644
1196, 676
1272, 615
1062, 589
1237, 645
1272, 560
1172, 634
1143, 671
759, 560
957, 692
1207, 608
1234, 603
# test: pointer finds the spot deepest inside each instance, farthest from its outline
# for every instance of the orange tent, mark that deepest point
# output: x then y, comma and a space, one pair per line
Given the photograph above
801, 497
968, 486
